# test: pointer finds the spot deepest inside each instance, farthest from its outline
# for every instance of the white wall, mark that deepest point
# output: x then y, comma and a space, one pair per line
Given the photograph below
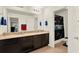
70, 30
0, 10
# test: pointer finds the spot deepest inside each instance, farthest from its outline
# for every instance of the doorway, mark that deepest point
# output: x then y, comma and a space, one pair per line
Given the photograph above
61, 26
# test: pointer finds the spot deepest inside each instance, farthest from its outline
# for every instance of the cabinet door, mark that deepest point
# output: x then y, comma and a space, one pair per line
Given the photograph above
45, 39
36, 41
1, 46
26, 44
9, 46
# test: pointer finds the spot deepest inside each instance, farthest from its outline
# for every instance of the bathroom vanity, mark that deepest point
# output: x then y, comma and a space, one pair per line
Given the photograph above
21, 42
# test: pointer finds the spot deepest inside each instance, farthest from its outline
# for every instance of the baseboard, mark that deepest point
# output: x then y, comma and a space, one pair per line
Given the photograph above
51, 45
57, 41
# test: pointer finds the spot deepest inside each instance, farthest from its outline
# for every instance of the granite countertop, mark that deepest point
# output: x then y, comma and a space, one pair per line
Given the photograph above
20, 34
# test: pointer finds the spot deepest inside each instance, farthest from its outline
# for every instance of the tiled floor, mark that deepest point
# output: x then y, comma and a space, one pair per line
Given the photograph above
59, 48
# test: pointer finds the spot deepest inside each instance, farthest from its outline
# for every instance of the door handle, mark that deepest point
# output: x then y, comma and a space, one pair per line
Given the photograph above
76, 38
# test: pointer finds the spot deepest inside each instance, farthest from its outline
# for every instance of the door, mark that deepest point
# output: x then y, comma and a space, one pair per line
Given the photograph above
73, 29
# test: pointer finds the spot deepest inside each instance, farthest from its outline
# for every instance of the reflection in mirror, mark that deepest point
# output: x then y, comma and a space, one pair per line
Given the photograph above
13, 24
46, 23
40, 24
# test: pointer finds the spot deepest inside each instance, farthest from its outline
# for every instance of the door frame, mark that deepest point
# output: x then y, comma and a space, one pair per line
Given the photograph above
64, 24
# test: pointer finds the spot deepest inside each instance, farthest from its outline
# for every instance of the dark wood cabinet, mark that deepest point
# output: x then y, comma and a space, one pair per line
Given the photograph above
40, 40
45, 39
9, 45
37, 41
24, 44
